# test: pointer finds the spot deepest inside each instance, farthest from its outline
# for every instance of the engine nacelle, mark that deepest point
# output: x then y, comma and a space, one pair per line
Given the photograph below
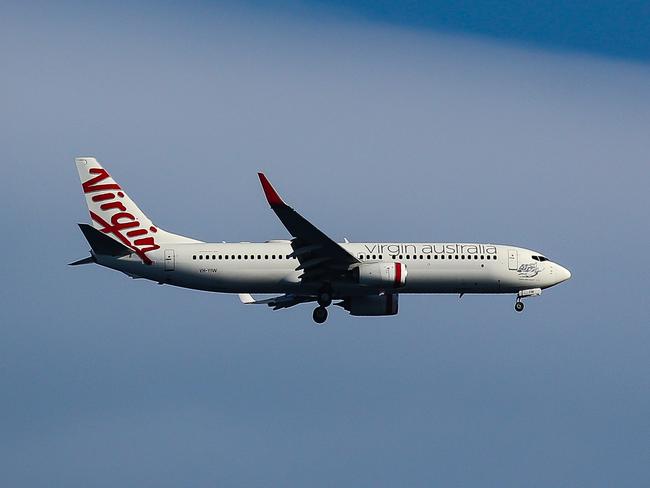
380, 275
372, 305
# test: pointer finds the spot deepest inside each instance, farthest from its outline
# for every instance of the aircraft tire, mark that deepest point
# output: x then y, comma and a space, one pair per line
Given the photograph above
519, 306
324, 299
320, 315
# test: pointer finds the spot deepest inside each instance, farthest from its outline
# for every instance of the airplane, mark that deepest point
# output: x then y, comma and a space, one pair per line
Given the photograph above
365, 279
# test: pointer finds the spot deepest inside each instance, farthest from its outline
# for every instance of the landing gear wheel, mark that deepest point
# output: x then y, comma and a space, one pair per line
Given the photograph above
519, 306
325, 299
320, 315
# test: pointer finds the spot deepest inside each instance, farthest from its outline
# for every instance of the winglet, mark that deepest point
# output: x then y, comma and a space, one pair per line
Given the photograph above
271, 195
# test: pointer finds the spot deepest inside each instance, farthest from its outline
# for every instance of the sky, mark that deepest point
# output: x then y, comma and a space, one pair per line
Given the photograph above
378, 122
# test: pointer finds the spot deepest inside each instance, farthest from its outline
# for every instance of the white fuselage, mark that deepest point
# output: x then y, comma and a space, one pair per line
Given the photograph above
266, 267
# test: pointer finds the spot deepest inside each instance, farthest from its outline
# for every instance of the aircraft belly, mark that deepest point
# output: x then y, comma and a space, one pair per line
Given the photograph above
450, 280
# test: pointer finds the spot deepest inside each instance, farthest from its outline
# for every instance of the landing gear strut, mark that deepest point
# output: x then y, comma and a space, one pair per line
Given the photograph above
320, 314
519, 306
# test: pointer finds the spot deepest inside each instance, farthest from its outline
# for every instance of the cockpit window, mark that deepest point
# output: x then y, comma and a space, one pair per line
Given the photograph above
540, 258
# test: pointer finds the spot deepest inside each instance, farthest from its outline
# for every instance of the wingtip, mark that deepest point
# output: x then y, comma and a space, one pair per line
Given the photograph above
271, 195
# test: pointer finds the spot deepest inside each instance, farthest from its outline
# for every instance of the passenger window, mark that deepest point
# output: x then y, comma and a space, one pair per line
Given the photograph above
273, 256
428, 256
400, 256
245, 256
259, 256
380, 257
456, 256
266, 256
194, 257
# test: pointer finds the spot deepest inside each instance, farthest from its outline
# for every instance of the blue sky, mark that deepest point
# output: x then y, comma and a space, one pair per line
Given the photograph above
600, 27
377, 126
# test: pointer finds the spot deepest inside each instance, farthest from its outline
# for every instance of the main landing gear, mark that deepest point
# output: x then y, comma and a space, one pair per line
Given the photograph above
324, 300
320, 315
519, 306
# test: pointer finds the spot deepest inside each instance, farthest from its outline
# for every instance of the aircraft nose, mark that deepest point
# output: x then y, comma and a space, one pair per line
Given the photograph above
562, 273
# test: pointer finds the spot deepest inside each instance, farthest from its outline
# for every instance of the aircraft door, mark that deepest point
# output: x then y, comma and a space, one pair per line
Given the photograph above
170, 260
512, 259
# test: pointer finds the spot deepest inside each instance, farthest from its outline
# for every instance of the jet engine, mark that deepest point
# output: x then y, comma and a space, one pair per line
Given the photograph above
380, 275
372, 305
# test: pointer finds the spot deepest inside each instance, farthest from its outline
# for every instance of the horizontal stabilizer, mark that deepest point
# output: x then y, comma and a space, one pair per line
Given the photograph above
102, 244
88, 260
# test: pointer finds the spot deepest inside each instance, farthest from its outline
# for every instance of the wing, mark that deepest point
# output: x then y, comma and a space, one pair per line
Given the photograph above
319, 256
283, 301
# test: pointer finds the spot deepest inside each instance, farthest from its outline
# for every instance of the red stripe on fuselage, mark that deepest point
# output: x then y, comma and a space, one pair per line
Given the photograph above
398, 275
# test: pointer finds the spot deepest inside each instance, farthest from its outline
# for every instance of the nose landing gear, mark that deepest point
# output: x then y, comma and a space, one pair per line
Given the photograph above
531, 292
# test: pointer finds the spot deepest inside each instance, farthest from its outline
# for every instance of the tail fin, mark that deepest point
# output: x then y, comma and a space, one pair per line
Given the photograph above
114, 213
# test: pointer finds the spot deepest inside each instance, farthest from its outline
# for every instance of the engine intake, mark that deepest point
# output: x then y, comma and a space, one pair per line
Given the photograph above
372, 305
380, 275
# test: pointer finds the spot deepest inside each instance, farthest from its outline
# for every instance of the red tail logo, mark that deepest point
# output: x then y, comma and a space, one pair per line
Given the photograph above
120, 220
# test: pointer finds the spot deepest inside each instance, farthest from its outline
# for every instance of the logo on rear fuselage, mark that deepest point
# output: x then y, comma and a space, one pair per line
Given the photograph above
138, 238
